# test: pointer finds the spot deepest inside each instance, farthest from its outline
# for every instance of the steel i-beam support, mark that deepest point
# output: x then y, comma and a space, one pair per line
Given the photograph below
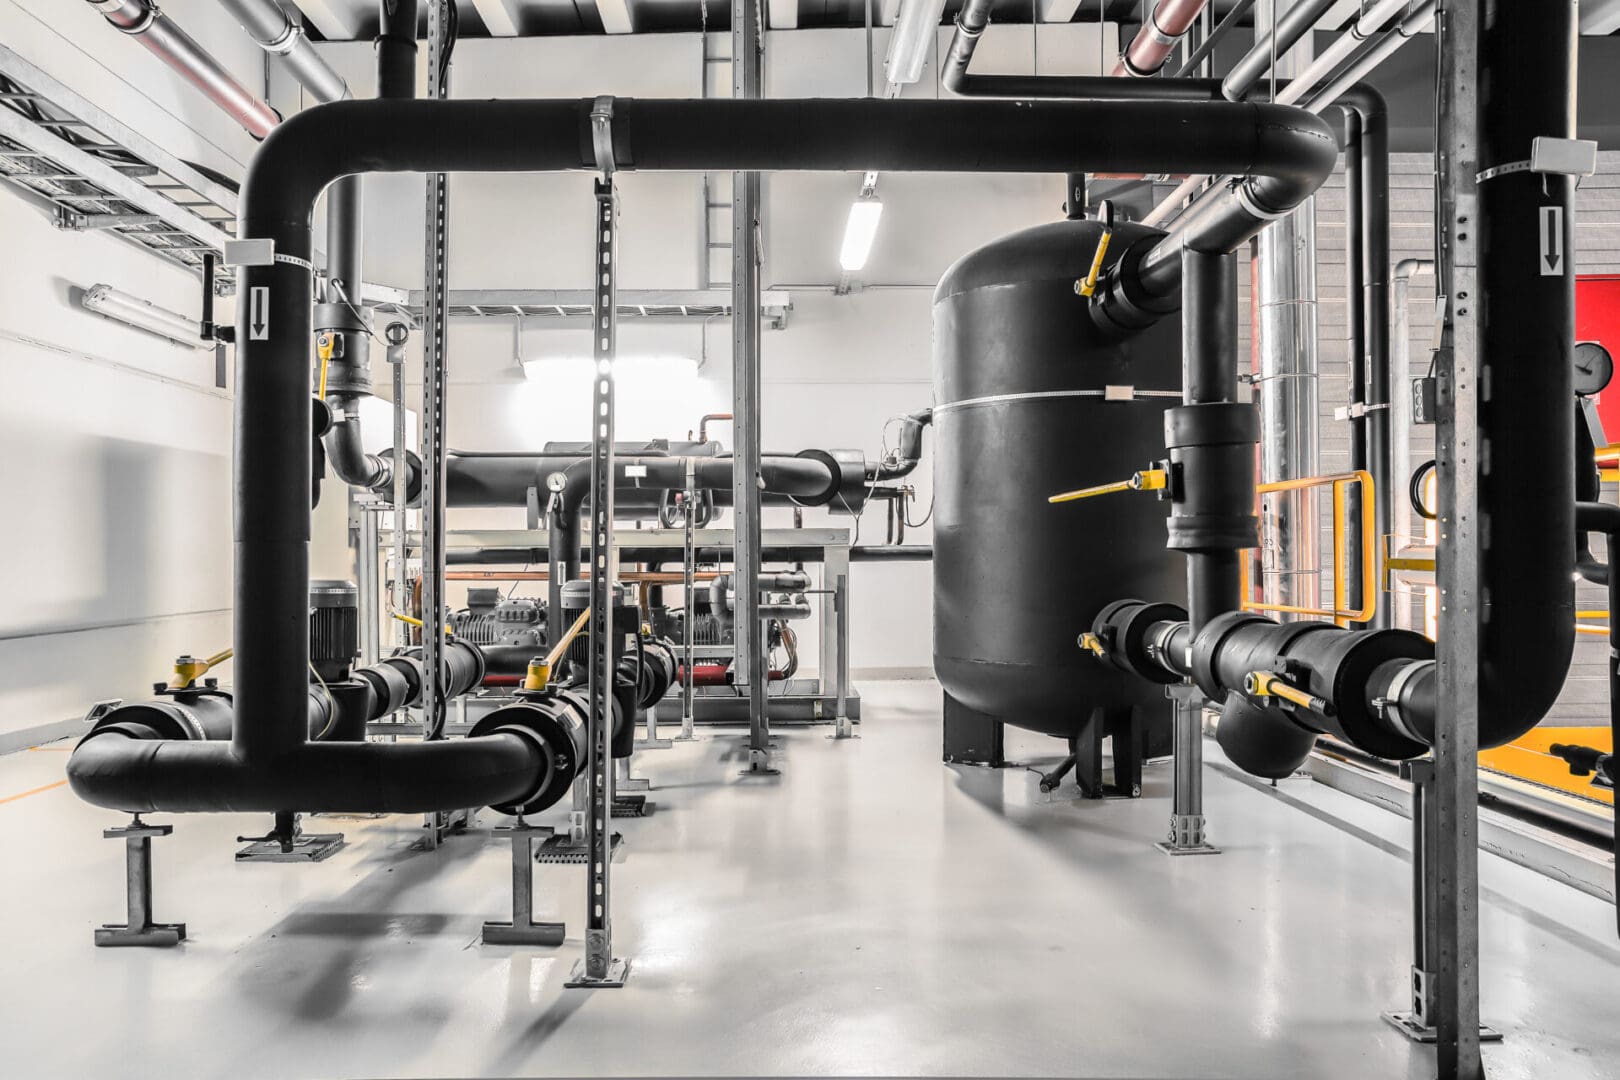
138, 928
523, 929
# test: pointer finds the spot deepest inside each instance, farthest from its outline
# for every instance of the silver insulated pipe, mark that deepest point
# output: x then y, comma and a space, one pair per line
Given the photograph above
157, 32
276, 33
1284, 331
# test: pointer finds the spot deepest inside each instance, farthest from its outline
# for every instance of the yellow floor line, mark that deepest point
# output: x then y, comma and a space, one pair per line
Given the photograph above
35, 791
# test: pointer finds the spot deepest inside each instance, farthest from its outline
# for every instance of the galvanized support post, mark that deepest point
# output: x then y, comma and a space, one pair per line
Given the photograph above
747, 44
1451, 888
1187, 835
396, 334
689, 588
368, 597
600, 968
845, 728
434, 379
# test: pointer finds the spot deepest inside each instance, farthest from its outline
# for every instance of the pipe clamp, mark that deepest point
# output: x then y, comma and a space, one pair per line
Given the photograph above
602, 135
286, 41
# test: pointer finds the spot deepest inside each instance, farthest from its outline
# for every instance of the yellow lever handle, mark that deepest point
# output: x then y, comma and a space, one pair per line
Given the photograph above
1092, 642
1088, 285
1146, 480
1262, 684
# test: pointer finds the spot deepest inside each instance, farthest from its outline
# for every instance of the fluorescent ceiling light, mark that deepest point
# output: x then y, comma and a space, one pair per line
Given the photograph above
144, 315
859, 232
915, 31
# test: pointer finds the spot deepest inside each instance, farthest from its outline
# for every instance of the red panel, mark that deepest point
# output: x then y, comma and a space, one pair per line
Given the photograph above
1597, 318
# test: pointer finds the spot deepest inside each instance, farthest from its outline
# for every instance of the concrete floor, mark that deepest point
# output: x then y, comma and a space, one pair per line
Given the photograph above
870, 912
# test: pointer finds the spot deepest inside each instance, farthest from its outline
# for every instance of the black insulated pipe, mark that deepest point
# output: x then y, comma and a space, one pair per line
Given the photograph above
1211, 440
396, 48
269, 762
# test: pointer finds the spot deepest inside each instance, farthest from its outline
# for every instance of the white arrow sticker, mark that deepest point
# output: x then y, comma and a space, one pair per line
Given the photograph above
1551, 252
259, 313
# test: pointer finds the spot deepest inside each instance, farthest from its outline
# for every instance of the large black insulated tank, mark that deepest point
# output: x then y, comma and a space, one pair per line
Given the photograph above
1020, 375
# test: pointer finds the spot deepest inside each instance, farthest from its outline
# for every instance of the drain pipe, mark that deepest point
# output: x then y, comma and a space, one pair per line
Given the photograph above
158, 33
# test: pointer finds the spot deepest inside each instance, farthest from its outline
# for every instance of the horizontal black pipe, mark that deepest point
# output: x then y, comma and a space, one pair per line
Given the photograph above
146, 775
891, 553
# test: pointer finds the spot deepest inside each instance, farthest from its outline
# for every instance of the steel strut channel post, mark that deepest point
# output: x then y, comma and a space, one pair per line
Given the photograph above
688, 585
1450, 886
600, 968
396, 334
435, 361
746, 83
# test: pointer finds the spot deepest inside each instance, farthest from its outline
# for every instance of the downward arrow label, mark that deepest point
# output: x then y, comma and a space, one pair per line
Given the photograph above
259, 313
1552, 241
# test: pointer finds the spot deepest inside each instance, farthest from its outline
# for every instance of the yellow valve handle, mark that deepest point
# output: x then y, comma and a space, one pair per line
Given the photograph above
1091, 641
324, 347
188, 669
1089, 285
538, 676
1263, 684
1146, 480
418, 622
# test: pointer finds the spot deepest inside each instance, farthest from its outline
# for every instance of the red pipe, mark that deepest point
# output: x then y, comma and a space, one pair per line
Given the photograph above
716, 674
1153, 43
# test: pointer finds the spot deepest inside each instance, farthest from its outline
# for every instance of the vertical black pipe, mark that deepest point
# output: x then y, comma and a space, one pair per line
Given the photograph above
1209, 328
1374, 251
563, 551
1526, 325
1074, 199
272, 483
1355, 346
396, 49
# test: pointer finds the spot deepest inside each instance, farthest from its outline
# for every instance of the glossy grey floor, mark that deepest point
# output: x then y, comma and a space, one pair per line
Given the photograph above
870, 911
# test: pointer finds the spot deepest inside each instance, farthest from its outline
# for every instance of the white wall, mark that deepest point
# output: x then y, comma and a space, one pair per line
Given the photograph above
116, 555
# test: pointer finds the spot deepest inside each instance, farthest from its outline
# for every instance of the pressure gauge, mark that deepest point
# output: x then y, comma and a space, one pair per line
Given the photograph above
1594, 367
556, 482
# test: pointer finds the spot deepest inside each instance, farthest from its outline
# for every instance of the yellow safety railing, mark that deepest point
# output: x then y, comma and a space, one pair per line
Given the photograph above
1341, 611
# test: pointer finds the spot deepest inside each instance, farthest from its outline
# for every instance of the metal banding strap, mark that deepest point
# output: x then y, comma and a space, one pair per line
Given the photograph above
287, 42
1049, 395
1392, 703
602, 134
1247, 200
294, 260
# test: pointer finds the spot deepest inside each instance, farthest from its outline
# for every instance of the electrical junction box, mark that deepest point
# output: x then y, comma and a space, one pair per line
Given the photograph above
1426, 400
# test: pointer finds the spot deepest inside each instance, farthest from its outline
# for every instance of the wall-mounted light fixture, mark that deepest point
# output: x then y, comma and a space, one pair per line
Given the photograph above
121, 307
859, 232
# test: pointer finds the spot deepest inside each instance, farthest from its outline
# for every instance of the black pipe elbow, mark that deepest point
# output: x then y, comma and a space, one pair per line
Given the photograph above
905, 458
1262, 739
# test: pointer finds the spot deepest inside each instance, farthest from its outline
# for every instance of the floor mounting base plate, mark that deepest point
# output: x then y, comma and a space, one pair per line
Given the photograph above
306, 847
1407, 1024
618, 972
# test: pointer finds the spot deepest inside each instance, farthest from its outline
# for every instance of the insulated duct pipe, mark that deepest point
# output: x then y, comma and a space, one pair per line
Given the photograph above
1154, 42
269, 764
142, 20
